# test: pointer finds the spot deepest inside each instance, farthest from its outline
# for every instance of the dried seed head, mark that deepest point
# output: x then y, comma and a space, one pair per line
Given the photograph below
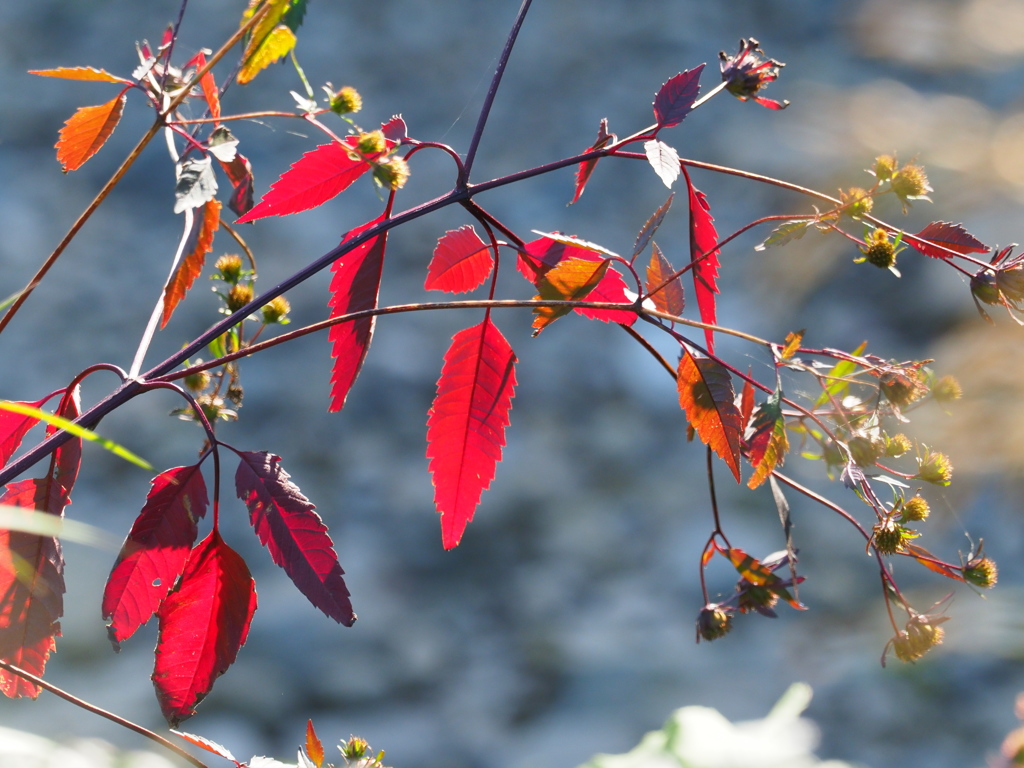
865, 451
903, 386
713, 622
889, 537
371, 143
884, 167
910, 183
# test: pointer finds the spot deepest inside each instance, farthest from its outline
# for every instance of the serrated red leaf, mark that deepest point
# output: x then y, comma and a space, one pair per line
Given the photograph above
191, 266
675, 98
395, 130
314, 748
312, 180
289, 527
461, 262
466, 423
766, 440
948, 235
208, 86
703, 240
32, 567
80, 73
239, 171
203, 623
586, 168
13, 428
155, 552
86, 131
543, 254
354, 288
706, 395
669, 298
570, 280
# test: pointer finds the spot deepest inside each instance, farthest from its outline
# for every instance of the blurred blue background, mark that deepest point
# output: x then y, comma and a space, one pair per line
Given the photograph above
563, 624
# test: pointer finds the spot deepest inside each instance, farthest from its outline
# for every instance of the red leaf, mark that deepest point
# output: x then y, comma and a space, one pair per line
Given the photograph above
766, 441
313, 179
203, 623
155, 552
746, 400
314, 748
239, 171
545, 253
703, 240
586, 168
706, 395
354, 288
466, 424
395, 130
929, 561
751, 569
291, 530
207, 84
948, 235
86, 131
191, 266
13, 428
676, 97
81, 73
461, 262
669, 297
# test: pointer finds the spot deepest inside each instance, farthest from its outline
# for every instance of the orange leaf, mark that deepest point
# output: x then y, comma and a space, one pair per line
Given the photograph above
208, 86
669, 298
571, 279
314, 748
80, 73
706, 395
793, 341
192, 265
86, 131
751, 569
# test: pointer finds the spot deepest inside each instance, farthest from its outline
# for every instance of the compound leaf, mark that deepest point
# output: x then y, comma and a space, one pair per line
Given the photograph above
203, 623
86, 131
461, 262
289, 527
354, 288
155, 552
706, 395
466, 423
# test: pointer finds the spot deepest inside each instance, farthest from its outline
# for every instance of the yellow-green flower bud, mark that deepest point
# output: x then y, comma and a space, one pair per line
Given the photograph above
910, 183
884, 167
947, 389
878, 250
393, 173
230, 267
981, 572
354, 748
197, 382
935, 468
914, 510
371, 143
889, 537
239, 296
712, 623
897, 445
346, 101
276, 310
865, 451
856, 202
985, 287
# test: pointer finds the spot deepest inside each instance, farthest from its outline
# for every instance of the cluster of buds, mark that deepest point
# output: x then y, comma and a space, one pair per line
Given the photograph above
746, 73
1002, 283
907, 182
921, 633
389, 170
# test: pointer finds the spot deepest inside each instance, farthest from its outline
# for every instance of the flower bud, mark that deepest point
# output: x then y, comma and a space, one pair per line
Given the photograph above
276, 310
239, 296
856, 202
910, 183
878, 250
947, 389
346, 101
901, 387
393, 173
1010, 282
865, 451
884, 167
354, 748
713, 622
935, 468
371, 143
230, 267
197, 382
897, 445
914, 510
889, 537
981, 572
985, 287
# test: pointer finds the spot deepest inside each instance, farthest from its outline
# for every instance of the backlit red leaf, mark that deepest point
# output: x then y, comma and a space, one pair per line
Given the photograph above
675, 98
706, 395
466, 424
572, 279
80, 73
947, 235
929, 561
766, 440
704, 255
191, 266
354, 288
669, 297
203, 623
154, 554
291, 530
208, 86
13, 428
239, 171
313, 179
461, 262
545, 253
586, 168
86, 131
395, 129
746, 401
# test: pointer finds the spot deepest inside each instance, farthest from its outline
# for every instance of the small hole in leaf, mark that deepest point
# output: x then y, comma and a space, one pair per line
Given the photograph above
156, 582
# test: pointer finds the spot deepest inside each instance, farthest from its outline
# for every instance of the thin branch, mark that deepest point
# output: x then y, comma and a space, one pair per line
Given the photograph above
103, 713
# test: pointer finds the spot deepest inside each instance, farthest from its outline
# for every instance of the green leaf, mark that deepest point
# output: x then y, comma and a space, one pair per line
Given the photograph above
786, 232
837, 383
69, 426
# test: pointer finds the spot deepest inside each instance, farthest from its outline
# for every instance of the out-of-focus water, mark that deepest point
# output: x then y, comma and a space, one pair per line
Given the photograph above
563, 624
